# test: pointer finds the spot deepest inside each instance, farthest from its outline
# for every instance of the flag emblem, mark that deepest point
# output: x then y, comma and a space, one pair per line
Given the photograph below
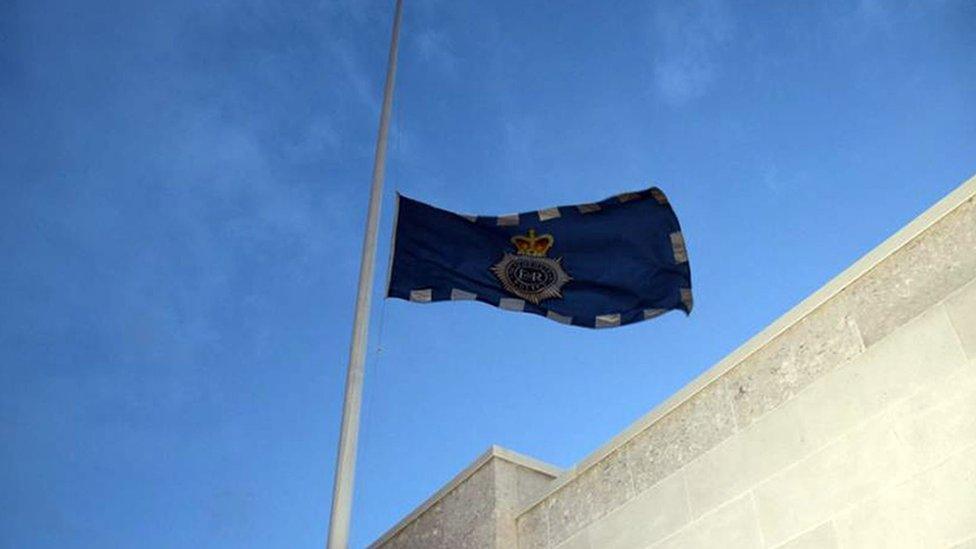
528, 273
597, 265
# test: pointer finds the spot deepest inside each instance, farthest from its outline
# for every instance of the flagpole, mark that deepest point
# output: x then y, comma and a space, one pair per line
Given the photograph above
349, 434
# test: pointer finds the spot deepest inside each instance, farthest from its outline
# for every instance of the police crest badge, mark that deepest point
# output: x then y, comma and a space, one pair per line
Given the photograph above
528, 273
596, 265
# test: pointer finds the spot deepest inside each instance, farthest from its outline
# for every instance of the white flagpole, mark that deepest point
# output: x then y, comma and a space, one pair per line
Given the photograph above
348, 437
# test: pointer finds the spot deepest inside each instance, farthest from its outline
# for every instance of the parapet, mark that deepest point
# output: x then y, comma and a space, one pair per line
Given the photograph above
477, 507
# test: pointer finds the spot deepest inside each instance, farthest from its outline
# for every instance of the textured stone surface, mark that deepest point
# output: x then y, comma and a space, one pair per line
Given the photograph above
533, 527
821, 537
579, 540
594, 493
471, 505
451, 522
565, 510
935, 509
531, 484
604, 487
813, 346
845, 472
506, 490
733, 525
917, 276
912, 436
765, 447
962, 311
695, 426
922, 352
938, 422
651, 516
479, 512
515, 487
423, 532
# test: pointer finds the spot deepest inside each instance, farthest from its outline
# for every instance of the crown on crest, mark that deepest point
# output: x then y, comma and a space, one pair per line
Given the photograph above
533, 245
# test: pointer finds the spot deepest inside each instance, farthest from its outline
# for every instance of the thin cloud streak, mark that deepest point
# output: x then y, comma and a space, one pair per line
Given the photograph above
688, 39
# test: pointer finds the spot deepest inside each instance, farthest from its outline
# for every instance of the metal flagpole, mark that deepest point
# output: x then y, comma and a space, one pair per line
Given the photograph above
346, 463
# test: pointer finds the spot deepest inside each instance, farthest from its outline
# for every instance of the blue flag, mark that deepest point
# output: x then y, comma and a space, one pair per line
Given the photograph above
596, 265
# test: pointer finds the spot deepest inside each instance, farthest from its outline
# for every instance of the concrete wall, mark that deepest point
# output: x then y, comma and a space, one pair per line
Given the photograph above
477, 508
851, 422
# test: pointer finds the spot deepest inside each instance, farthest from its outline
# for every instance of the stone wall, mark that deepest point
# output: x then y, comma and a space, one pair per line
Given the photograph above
851, 422
477, 508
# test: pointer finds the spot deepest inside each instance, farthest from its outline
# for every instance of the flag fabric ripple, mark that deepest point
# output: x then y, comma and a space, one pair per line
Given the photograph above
597, 265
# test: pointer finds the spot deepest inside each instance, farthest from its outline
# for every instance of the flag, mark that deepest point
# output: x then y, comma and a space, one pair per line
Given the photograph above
598, 265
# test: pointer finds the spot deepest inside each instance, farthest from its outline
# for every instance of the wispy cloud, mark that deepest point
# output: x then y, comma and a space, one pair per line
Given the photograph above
688, 39
356, 78
435, 49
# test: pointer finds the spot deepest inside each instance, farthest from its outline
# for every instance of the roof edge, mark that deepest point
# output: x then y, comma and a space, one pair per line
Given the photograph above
494, 451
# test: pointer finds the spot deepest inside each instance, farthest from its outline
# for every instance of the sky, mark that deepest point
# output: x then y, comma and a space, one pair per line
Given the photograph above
183, 188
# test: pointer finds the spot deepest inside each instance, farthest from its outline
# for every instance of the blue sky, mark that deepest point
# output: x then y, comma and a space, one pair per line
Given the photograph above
183, 186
